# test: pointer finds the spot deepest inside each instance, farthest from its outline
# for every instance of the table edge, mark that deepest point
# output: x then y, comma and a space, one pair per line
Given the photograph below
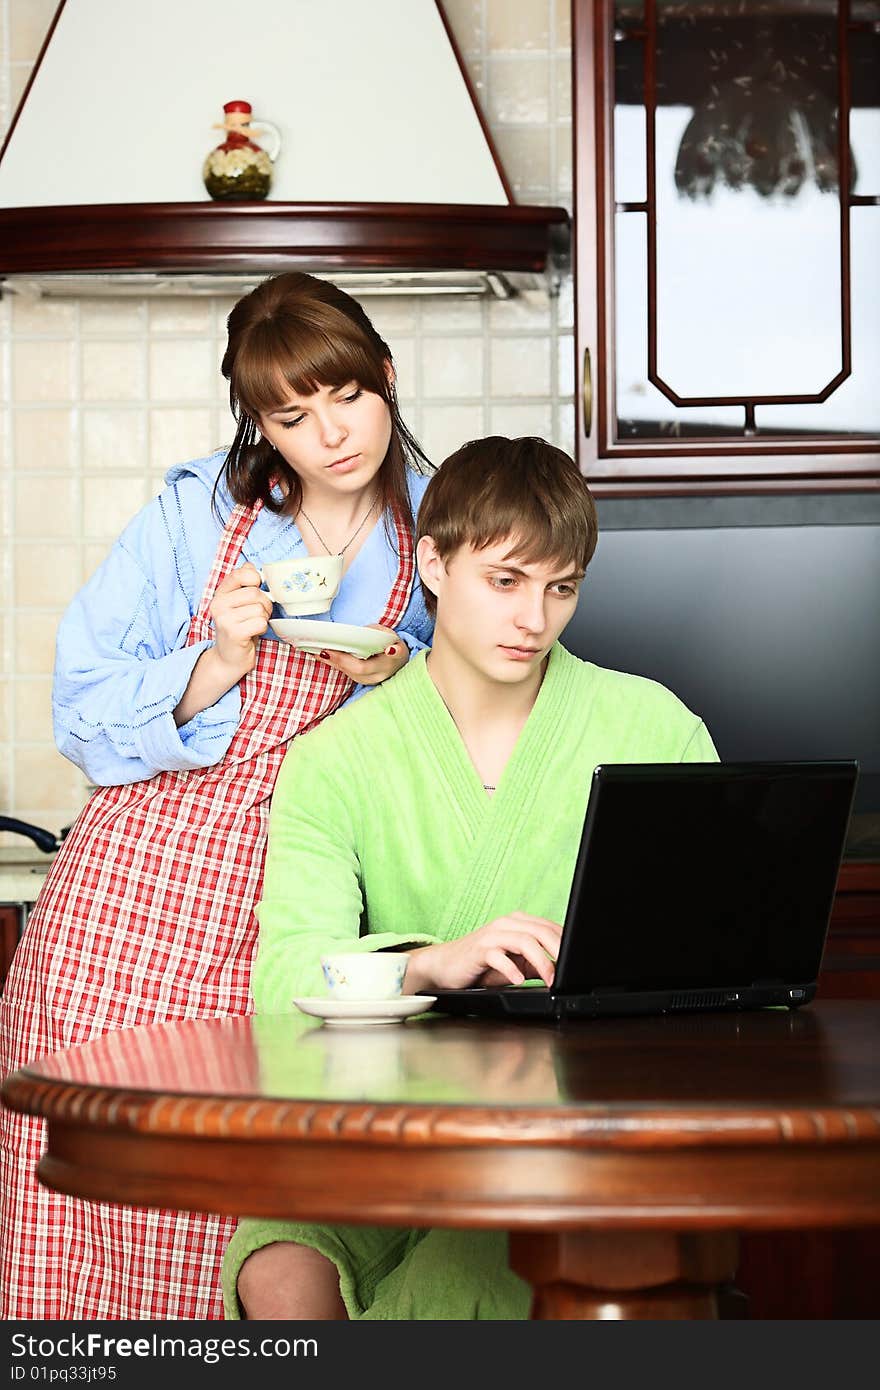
414, 1124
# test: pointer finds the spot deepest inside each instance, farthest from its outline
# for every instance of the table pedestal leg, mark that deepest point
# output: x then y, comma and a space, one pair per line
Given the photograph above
628, 1274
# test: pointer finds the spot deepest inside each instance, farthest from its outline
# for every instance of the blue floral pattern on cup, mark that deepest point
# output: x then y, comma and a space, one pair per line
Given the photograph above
304, 582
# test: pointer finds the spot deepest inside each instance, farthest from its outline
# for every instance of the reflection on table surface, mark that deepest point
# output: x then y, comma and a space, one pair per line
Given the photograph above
827, 1053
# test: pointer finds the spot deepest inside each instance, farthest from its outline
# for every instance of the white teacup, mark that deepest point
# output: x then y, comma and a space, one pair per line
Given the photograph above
307, 585
371, 975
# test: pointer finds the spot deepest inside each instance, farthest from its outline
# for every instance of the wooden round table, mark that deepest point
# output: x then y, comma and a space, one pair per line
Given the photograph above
622, 1155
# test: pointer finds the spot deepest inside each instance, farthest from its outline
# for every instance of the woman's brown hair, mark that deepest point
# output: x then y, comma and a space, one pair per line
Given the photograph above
524, 489
307, 333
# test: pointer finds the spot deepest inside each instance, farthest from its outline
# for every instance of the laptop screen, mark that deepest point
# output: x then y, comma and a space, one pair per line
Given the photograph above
705, 875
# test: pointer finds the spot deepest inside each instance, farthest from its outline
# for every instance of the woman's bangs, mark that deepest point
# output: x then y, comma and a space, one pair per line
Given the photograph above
275, 365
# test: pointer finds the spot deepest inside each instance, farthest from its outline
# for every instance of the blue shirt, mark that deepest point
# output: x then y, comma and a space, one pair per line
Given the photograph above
121, 665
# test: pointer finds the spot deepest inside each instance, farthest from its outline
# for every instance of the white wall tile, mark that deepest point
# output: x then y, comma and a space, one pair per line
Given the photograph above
222, 429
44, 439
113, 371
466, 21
452, 367
177, 435
520, 367
563, 93
516, 421
526, 154
113, 315
28, 23
19, 76
46, 508
452, 315
446, 427
114, 439
564, 151
33, 709
54, 317
45, 576
110, 503
565, 303
565, 386
390, 317
404, 355
182, 370
42, 371
180, 316
6, 725
222, 306
519, 90
518, 26
529, 309
47, 782
34, 642
565, 424
562, 23
93, 555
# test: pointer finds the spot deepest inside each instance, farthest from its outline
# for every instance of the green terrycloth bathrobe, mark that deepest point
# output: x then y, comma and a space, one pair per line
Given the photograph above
381, 835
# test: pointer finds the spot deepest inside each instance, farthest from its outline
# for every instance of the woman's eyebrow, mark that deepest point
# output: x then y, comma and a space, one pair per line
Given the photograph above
295, 406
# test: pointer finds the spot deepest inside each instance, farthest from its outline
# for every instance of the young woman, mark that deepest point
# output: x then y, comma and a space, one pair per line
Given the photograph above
174, 698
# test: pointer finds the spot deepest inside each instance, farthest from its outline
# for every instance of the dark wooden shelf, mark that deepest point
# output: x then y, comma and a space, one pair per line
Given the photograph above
277, 236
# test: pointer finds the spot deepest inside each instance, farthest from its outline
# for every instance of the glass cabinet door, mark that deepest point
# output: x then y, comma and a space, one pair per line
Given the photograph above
733, 234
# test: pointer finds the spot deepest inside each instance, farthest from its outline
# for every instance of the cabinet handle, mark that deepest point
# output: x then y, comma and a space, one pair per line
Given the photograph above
587, 393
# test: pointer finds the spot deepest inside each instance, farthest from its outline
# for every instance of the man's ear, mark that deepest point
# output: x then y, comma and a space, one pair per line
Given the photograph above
432, 569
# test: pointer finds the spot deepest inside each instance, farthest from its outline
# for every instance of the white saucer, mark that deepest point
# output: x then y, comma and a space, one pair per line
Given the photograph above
354, 1013
314, 637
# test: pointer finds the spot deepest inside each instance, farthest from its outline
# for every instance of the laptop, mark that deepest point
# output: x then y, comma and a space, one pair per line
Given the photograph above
696, 886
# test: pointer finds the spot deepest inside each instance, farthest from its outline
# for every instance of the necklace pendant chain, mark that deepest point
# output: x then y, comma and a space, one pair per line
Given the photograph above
353, 537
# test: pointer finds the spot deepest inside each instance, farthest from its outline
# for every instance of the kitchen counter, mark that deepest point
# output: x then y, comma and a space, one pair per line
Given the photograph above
22, 872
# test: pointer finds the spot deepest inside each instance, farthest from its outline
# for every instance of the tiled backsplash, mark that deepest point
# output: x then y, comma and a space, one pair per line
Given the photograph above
101, 397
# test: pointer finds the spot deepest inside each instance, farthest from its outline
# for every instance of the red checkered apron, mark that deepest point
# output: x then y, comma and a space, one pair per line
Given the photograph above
148, 914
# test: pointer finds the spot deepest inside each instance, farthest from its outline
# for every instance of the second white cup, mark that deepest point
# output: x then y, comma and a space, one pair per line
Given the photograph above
364, 975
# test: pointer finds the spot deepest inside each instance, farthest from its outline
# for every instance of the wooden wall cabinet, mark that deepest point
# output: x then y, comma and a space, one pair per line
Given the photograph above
727, 244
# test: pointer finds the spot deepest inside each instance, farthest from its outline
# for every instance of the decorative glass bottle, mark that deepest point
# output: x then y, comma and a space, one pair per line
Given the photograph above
240, 168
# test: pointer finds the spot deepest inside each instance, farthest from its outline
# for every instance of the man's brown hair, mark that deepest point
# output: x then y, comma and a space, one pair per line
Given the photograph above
526, 489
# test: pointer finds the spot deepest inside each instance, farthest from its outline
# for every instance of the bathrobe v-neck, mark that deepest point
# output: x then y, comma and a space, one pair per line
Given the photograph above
493, 830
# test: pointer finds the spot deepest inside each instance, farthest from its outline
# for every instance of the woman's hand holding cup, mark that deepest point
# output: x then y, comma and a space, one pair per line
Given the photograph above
240, 611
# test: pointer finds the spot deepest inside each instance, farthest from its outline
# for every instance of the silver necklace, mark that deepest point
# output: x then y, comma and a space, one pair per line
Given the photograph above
351, 538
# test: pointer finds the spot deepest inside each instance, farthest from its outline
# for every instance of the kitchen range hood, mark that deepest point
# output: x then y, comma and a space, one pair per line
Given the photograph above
386, 172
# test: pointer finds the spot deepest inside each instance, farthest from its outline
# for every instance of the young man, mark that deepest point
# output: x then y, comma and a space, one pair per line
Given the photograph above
441, 816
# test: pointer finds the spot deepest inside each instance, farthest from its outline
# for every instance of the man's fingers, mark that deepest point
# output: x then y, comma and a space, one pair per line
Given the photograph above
547, 934
535, 921
497, 959
543, 966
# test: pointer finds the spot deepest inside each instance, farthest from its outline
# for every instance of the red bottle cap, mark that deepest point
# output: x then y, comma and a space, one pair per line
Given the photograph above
238, 106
